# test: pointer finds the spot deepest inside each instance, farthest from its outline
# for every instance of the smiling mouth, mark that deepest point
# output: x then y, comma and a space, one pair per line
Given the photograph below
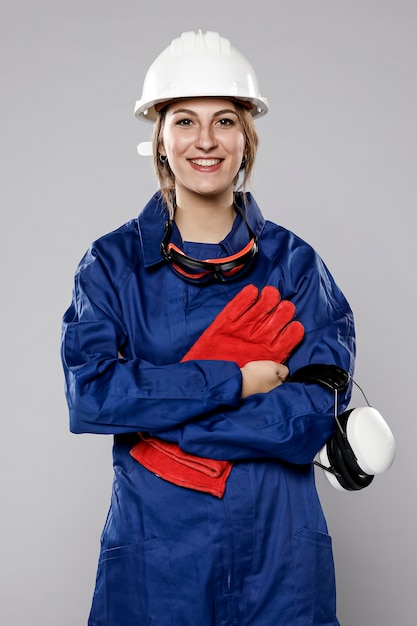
206, 162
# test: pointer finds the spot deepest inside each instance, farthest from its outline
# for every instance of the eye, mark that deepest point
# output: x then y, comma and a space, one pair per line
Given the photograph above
184, 122
226, 121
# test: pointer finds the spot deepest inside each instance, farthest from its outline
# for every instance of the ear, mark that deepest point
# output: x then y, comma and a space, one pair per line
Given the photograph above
161, 150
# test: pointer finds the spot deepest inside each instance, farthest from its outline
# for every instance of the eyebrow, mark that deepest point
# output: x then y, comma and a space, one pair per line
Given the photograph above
216, 114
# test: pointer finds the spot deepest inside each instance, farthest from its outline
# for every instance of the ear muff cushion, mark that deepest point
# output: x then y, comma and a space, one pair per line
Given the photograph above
336, 461
349, 458
342, 458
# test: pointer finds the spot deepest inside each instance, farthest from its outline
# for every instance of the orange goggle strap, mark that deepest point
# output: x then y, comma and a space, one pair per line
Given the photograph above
195, 269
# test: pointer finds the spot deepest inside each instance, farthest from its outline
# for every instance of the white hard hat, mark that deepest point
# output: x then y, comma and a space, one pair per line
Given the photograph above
195, 65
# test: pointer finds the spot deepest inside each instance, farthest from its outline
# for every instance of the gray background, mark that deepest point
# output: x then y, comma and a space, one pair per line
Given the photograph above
337, 165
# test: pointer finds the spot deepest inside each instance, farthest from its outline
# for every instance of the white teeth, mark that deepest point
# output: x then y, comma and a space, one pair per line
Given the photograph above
205, 162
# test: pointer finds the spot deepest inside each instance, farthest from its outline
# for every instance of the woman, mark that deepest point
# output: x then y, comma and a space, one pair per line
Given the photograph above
159, 342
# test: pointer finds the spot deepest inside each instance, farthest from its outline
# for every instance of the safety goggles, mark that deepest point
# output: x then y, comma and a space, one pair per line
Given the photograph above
221, 270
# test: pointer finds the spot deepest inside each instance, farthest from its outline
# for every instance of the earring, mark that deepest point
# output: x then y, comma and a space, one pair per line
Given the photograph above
243, 164
162, 158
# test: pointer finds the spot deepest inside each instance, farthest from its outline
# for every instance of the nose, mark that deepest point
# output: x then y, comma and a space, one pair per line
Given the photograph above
206, 137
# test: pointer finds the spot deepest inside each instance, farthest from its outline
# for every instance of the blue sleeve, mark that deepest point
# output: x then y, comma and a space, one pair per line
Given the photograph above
293, 421
111, 395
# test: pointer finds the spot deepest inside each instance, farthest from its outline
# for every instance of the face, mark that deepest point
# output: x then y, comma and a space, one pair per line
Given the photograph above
204, 142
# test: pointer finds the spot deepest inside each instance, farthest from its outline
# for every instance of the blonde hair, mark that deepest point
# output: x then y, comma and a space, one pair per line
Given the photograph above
165, 175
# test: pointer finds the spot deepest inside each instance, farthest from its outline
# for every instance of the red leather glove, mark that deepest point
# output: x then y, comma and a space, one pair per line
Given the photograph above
168, 461
249, 328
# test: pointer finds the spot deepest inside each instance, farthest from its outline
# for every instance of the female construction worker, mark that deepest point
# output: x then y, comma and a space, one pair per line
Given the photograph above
184, 326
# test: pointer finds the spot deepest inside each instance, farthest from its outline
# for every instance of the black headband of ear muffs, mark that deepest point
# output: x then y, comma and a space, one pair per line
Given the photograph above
331, 376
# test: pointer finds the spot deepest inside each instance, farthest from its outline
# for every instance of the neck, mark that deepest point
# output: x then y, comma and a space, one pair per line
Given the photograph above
206, 220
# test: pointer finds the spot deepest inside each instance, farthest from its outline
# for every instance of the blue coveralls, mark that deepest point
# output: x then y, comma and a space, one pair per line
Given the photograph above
172, 556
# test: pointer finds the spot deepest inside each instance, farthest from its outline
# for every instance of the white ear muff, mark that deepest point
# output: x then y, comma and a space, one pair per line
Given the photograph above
371, 440
362, 444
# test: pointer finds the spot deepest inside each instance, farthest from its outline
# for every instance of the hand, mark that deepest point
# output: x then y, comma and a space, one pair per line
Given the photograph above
262, 376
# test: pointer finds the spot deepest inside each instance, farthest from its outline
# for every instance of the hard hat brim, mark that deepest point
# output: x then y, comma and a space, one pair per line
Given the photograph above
148, 111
